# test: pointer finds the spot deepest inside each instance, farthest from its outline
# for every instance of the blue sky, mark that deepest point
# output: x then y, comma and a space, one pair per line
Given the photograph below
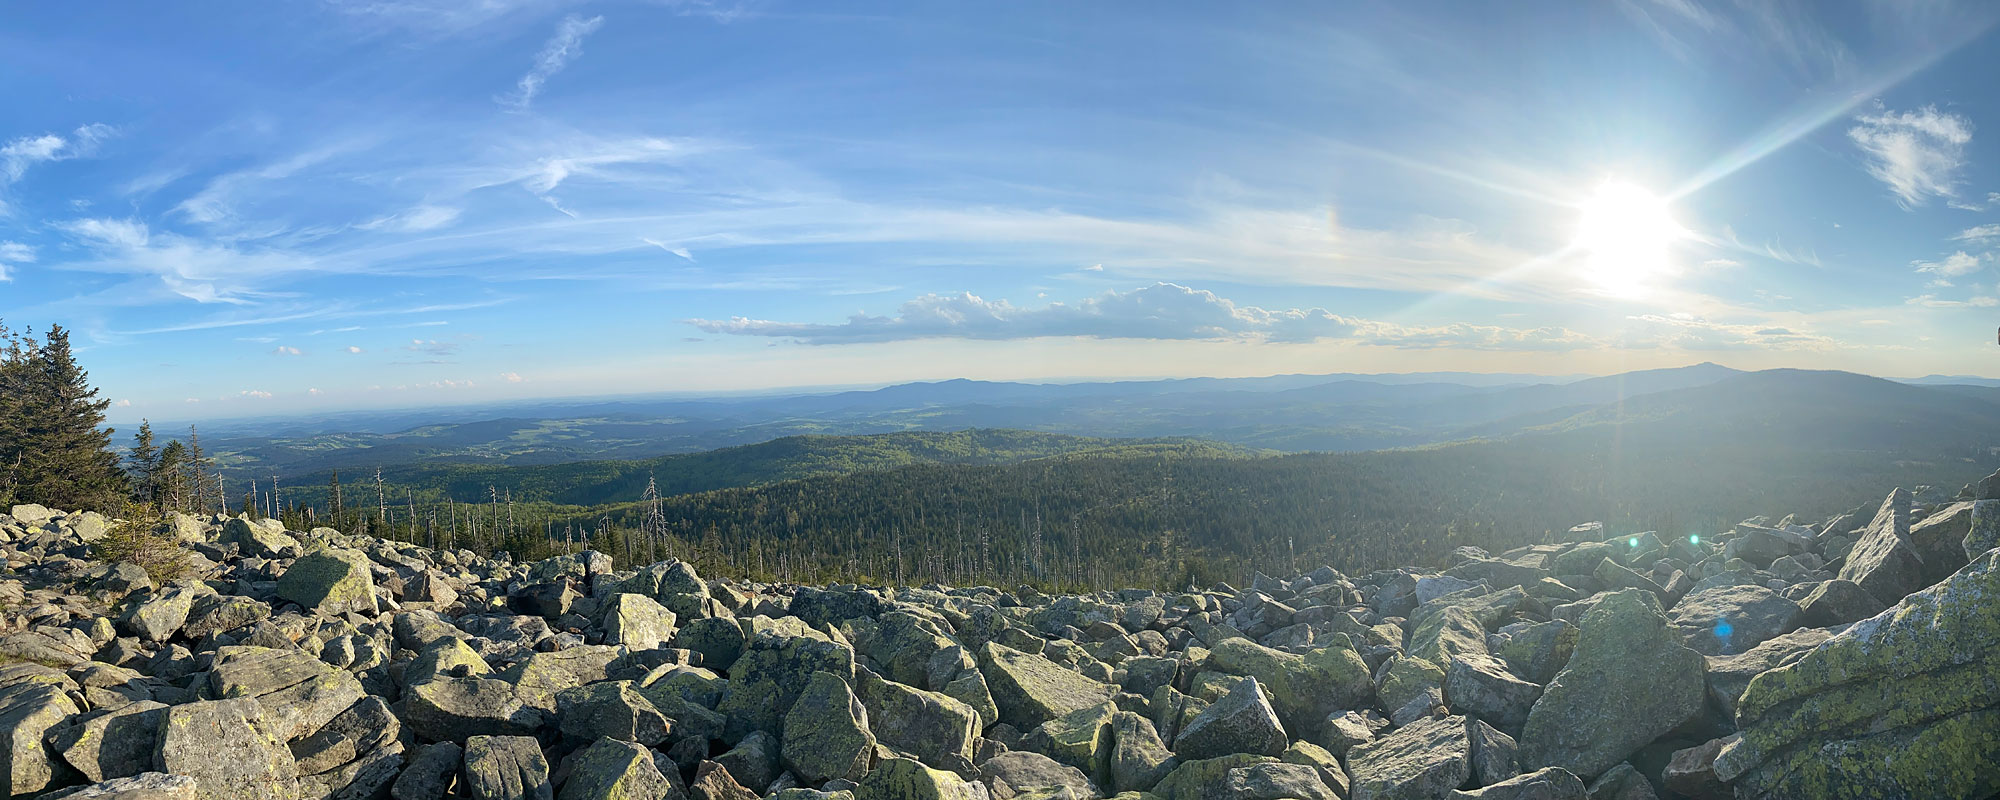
248, 208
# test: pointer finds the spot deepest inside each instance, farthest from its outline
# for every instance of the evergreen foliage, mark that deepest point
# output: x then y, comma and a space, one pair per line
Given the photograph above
54, 448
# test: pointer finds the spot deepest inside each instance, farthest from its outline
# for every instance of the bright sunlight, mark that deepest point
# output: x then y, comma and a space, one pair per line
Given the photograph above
1626, 235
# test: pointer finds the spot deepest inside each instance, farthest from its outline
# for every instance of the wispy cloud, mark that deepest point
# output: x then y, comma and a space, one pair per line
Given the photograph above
18, 155
512, 377
283, 350
415, 220
1981, 233
1162, 311
561, 49
1696, 333
1918, 154
1952, 266
14, 253
1933, 301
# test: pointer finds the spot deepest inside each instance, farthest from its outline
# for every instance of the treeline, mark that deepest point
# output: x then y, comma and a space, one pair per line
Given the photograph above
593, 483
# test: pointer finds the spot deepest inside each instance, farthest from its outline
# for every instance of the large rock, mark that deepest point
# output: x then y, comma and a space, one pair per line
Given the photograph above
1550, 783
1629, 681
1138, 758
1938, 541
1277, 782
1081, 739
143, 786
1837, 602
904, 779
456, 709
429, 774
1984, 533
117, 743
1882, 560
330, 581
1242, 721
1031, 690
826, 732
299, 693
1019, 771
1482, 687
611, 710
1420, 761
1732, 619
636, 621
777, 663
937, 729
27, 712
1903, 704
159, 618
1304, 689
506, 768
264, 539
218, 613
1728, 676
614, 770
229, 749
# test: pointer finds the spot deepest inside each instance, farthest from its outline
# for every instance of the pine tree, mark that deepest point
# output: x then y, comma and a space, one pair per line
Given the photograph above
64, 454
145, 469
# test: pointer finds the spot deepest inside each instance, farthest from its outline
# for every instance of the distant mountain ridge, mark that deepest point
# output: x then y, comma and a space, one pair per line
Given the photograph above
1291, 413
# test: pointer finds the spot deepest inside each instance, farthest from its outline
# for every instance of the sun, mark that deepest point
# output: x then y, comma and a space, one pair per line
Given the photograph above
1626, 235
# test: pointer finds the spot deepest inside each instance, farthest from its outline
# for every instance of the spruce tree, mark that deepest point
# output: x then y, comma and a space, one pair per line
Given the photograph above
65, 457
145, 469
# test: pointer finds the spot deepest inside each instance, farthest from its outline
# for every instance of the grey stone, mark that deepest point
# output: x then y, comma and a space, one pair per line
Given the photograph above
229, 749
1425, 760
506, 768
1242, 721
826, 732
112, 744
429, 773
1629, 681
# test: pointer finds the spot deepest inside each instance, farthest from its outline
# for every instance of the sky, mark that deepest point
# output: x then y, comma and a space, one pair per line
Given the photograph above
247, 208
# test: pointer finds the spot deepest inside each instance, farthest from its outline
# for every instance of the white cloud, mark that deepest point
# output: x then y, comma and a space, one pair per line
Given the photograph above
1161, 311
353, 349
254, 394
1917, 153
512, 377
421, 218
561, 49
314, 392
123, 404
1980, 233
12, 253
1992, 199
192, 400
1951, 266
18, 155
1933, 301
285, 351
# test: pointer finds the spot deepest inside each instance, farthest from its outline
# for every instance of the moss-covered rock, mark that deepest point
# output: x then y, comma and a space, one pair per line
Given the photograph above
905, 779
27, 711
636, 621
1242, 721
1205, 779
935, 728
264, 539
299, 693
611, 710
1424, 759
778, 661
1081, 739
1904, 704
826, 732
1629, 681
228, 748
330, 581
615, 770
1304, 689
506, 768
1030, 690
1733, 619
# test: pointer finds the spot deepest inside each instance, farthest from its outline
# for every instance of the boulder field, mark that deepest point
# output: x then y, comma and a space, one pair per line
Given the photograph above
1853, 657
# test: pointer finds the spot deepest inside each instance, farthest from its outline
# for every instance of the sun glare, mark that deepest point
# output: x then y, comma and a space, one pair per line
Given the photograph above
1626, 235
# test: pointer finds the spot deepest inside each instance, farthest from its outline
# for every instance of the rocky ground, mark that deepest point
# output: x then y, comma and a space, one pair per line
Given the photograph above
1852, 657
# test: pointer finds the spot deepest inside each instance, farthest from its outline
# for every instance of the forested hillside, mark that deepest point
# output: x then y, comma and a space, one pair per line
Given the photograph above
590, 483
